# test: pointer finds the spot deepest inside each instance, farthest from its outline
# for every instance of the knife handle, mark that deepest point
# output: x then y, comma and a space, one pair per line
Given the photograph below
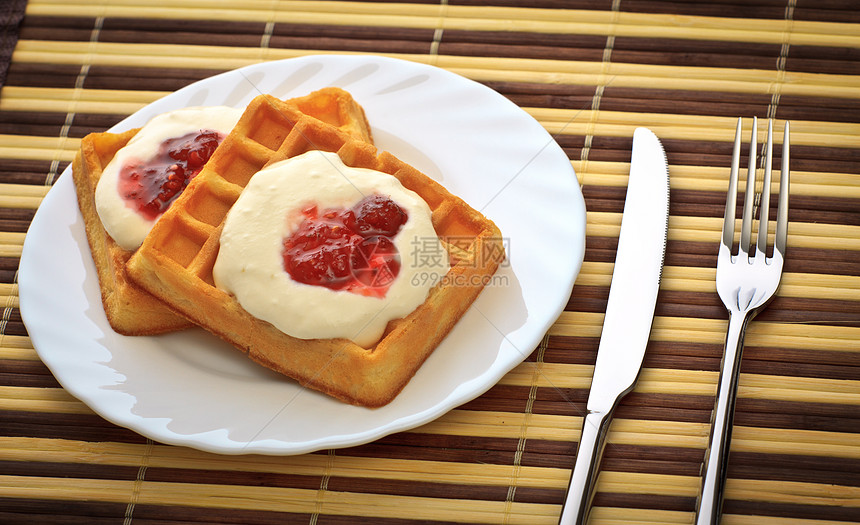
584, 476
717, 456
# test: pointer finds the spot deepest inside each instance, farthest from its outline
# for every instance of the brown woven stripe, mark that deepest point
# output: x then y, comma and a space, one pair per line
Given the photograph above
787, 467
643, 501
807, 416
16, 220
78, 470
97, 513
784, 510
26, 373
693, 254
50, 123
108, 77
709, 306
75, 427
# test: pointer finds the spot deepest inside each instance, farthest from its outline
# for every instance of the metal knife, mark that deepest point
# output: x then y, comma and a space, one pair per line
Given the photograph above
629, 312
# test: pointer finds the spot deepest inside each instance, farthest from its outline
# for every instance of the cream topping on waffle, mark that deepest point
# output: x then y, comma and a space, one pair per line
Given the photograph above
250, 263
126, 225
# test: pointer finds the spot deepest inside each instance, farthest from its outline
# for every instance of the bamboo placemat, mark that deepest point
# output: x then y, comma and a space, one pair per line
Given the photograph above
589, 72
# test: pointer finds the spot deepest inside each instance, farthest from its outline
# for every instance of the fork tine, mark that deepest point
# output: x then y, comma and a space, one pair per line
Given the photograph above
764, 203
782, 210
732, 193
749, 195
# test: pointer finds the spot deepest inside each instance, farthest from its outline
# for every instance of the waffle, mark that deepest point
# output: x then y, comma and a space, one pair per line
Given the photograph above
129, 309
175, 261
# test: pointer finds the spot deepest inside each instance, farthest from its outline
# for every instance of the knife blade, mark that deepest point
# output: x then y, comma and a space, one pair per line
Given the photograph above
629, 312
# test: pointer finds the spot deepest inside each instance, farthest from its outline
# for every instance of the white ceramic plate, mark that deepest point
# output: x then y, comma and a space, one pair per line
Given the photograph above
192, 389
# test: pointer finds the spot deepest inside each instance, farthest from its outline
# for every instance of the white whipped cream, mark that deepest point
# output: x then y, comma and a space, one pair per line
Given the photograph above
120, 219
250, 261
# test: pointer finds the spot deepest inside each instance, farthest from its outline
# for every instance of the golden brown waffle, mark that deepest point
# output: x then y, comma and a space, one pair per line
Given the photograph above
129, 309
336, 107
175, 261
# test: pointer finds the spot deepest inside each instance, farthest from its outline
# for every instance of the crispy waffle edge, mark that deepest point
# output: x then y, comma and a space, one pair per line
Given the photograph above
175, 262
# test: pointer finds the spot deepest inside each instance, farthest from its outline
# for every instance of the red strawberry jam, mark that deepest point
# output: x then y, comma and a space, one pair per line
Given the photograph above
152, 186
347, 249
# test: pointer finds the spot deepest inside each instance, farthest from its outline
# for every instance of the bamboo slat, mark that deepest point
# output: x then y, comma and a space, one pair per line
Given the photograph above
13, 343
689, 279
46, 450
837, 338
40, 400
281, 500
23, 354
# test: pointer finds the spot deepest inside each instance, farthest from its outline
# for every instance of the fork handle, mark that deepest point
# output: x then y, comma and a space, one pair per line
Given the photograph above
717, 455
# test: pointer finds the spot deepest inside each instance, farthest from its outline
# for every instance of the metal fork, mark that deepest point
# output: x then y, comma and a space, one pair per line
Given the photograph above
746, 282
